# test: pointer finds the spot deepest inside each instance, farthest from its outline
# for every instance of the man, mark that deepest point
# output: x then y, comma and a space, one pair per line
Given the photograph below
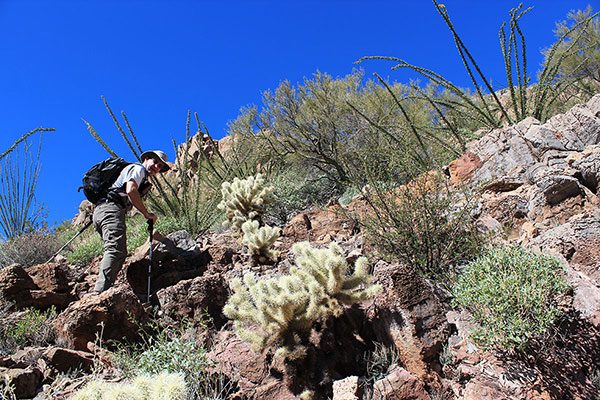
109, 214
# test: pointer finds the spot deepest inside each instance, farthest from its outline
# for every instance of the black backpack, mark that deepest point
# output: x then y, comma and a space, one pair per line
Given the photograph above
98, 180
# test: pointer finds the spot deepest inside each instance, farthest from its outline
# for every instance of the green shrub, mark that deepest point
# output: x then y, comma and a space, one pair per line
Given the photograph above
425, 224
512, 294
282, 310
85, 248
30, 327
296, 189
173, 349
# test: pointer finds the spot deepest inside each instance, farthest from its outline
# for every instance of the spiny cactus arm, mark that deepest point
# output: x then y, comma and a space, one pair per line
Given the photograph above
348, 297
360, 275
292, 352
354, 281
336, 267
255, 338
259, 240
307, 259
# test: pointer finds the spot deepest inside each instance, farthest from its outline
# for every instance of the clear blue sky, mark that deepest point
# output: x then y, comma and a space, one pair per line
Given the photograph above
156, 60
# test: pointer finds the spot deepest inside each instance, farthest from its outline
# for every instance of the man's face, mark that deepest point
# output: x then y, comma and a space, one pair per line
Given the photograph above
153, 165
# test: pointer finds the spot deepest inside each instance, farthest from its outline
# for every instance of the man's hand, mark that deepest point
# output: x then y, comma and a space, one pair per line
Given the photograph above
152, 217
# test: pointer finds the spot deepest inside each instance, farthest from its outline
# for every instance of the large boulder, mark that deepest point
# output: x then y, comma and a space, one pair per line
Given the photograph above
26, 381
65, 360
249, 369
15, 284
400, 385
514, 151
577, 244
195, 297
113, 314
408, 315
587, 164
54, 277
175, 257
48, 286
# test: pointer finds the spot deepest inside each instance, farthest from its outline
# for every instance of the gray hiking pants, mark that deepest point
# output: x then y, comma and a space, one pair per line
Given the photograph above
109, 221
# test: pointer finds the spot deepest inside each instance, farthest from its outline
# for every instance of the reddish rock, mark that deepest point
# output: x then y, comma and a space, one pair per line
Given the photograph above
26, 381
43, 299
195, 297
64, 360
400, 385
18, 286
463, 168
318, 227
347, 389
15, 283
109, 315
408, 314
234, 358
53, 277
221, 255
478, 389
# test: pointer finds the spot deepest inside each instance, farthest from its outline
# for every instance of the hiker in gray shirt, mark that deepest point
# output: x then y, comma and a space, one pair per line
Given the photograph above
109, 214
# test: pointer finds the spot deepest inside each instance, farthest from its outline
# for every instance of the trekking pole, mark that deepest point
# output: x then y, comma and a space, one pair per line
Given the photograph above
73, 238
151, 231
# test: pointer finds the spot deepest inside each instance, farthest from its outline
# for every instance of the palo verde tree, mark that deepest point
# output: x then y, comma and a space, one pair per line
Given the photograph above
332, 125
578, 50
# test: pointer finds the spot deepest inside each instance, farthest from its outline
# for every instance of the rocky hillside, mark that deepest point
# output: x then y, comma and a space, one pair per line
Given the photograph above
540, 190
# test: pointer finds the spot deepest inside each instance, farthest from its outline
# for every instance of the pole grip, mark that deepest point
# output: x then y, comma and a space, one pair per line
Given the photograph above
150, 227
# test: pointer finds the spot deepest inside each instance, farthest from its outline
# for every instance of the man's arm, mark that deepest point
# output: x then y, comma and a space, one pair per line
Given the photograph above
134, 195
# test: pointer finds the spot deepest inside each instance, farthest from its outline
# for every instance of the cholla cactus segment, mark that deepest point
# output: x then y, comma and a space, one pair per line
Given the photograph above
284, 309
162, 386
244, 200
330, 269
260, 240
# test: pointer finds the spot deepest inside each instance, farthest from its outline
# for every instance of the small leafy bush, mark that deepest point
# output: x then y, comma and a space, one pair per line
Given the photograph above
512, 294
425, 224
31, 327
174, 350
28, 249
298, 189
